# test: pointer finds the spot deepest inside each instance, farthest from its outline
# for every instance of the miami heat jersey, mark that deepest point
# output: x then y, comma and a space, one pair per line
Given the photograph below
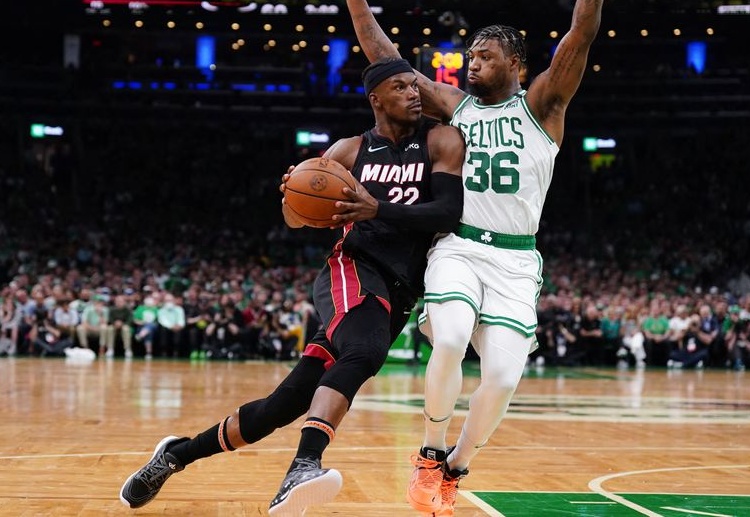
397, 173
508, 167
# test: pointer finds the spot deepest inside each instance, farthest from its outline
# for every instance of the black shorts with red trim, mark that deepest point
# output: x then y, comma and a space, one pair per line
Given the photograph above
343, 284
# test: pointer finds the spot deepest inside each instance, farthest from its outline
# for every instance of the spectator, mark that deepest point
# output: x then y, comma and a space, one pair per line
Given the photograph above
656, 333
591, 338
612, 329
224, 331
678, 325
10, 320
691, 350
51, 340
120, 324
66, 318
633, 342
564, 335
171, 319
709, 334
197, 319
94, 322
736, 336
144, 317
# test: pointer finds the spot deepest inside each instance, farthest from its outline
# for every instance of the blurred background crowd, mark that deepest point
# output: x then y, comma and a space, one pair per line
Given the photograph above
140, 205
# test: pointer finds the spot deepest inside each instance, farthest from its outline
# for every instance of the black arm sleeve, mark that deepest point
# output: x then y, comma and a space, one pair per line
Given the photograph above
439, 215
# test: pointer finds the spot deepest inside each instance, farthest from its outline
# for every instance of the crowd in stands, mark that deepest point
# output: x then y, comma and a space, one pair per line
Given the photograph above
160, 235
634, 327
174, 302
243, 311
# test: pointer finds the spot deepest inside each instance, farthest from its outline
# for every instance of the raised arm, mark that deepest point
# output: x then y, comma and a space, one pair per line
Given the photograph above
551, 92
374, 42
438, 100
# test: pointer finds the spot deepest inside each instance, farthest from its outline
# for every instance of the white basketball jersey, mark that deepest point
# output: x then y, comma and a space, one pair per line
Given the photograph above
508, 167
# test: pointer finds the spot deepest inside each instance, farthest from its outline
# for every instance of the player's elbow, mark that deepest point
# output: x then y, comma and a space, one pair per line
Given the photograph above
449, 218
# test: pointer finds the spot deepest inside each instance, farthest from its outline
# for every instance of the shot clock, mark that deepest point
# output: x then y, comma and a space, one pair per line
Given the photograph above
444, 65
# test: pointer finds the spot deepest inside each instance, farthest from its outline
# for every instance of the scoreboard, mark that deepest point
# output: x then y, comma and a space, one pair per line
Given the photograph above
443, 65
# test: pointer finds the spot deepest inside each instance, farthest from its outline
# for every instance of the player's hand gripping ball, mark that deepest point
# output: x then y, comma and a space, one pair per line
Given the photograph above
314, 187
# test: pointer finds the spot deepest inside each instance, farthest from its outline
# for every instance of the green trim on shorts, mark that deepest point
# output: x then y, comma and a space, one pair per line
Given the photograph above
446, 297
498, 240
540, 283
524, 330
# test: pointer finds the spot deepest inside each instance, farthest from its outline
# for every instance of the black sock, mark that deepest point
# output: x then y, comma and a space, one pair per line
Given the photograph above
206, 444
316, 435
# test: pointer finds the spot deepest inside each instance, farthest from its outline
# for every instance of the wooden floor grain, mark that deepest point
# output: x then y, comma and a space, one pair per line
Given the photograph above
72, 433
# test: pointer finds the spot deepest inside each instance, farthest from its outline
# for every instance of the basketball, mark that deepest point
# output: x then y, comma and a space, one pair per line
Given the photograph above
313, 188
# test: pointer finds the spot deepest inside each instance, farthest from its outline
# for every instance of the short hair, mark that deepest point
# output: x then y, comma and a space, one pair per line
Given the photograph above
509, 37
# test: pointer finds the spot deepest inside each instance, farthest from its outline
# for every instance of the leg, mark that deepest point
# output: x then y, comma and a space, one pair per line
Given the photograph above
363, 338
449, 327
453, 295
105, 341
247, 424
109, 337
83, 338
451, 324
502, 354
126, 333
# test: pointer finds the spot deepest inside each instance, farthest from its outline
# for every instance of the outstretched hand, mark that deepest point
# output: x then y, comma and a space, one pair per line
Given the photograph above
360, 207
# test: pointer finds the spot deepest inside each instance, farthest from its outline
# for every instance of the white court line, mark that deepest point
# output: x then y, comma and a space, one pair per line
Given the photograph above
73, 455
595, 485
695, 512
489, 510
592, 502
275, 450
250, 450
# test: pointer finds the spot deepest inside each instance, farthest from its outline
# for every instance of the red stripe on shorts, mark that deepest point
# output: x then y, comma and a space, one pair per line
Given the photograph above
345, 288
315, 350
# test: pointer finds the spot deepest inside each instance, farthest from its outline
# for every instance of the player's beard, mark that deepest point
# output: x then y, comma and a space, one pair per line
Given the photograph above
478, 90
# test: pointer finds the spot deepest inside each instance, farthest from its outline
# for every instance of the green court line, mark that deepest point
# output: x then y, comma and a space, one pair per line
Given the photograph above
588, 504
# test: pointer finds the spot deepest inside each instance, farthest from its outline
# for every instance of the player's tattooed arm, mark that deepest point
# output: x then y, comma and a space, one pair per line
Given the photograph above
552, 91
438, 100
375, 43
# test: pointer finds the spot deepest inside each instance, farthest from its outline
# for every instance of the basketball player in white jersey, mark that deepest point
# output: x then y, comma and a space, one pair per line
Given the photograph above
483, 280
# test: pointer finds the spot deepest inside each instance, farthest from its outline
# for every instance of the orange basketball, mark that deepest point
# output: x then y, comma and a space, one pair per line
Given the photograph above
313, 189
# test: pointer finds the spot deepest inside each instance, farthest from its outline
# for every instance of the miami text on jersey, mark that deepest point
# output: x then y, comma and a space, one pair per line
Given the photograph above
410, 172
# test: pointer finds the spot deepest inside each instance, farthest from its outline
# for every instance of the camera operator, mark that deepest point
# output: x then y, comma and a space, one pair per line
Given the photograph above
736, 336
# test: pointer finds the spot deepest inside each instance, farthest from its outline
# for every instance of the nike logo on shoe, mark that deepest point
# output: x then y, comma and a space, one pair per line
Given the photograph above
374, 149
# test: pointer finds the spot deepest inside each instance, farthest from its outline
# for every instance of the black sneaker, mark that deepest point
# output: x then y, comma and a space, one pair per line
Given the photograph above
306, 485
143, 485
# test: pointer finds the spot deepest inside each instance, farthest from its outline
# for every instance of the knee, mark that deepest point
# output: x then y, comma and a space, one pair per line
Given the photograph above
451, 342
500, 382
233, 424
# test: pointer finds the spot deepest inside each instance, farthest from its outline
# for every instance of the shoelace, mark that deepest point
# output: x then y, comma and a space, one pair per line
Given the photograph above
156, 473
449, 491
434, 472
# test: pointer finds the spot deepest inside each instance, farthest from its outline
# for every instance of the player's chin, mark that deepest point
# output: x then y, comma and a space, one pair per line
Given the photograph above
412, 115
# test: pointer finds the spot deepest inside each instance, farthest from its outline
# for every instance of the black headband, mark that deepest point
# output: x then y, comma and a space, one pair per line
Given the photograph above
378, 72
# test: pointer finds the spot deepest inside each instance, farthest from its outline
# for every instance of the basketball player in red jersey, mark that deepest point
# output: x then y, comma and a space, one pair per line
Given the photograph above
408, 190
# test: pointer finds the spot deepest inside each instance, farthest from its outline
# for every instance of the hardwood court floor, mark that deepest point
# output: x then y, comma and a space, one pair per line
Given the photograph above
575, 442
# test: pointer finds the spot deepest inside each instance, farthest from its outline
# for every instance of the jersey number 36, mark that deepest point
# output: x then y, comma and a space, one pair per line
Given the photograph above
493, 172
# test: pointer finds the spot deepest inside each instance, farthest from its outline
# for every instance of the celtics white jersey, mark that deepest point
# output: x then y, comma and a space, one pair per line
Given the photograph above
508, 167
